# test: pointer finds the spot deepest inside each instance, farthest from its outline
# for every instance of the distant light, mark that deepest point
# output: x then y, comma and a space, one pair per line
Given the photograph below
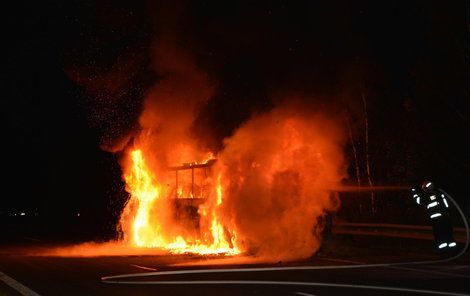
415, 195
417, 201
78, 214
428, 184
413, 189
22, 214
432, 197
435, 215
452, 244
443, 245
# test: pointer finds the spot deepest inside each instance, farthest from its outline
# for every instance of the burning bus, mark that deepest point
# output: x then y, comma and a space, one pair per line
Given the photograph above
178, 211
191, 189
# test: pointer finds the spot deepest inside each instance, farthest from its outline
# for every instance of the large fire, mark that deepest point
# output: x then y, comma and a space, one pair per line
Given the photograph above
264, 194
147, 231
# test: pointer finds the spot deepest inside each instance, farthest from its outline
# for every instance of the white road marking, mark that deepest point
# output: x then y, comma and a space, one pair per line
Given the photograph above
20, 288
143, 267
432, 272
305, 294
341, 260
456, 267
233, 270
282, 283
404, 268
120, 279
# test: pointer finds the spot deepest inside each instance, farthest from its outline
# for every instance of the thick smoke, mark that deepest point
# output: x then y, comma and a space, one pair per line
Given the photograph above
173, 102
278, 168
171, 106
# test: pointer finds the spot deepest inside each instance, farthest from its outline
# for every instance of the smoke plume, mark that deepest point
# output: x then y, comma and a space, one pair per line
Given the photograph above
278, 168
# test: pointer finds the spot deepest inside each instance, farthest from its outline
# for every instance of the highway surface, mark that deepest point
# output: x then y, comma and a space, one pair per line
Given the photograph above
344, 266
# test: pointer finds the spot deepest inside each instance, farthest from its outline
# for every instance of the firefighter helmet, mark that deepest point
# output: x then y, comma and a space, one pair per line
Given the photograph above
427, 186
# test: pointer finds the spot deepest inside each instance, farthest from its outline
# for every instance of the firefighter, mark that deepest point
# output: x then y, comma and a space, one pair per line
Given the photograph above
434, 201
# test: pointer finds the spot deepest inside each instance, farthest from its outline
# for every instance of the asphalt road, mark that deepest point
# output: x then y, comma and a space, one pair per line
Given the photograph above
327, 273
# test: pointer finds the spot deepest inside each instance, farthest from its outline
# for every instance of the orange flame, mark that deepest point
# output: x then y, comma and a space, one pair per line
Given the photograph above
142, 185
142, 222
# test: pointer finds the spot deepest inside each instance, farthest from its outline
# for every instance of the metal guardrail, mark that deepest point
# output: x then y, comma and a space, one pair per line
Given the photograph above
423, 232
389, 225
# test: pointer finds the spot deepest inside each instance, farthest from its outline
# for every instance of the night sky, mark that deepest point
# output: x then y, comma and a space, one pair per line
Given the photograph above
75, 75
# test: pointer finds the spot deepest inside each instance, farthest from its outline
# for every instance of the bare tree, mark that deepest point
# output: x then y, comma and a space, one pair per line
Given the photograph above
366, 140
354, 149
